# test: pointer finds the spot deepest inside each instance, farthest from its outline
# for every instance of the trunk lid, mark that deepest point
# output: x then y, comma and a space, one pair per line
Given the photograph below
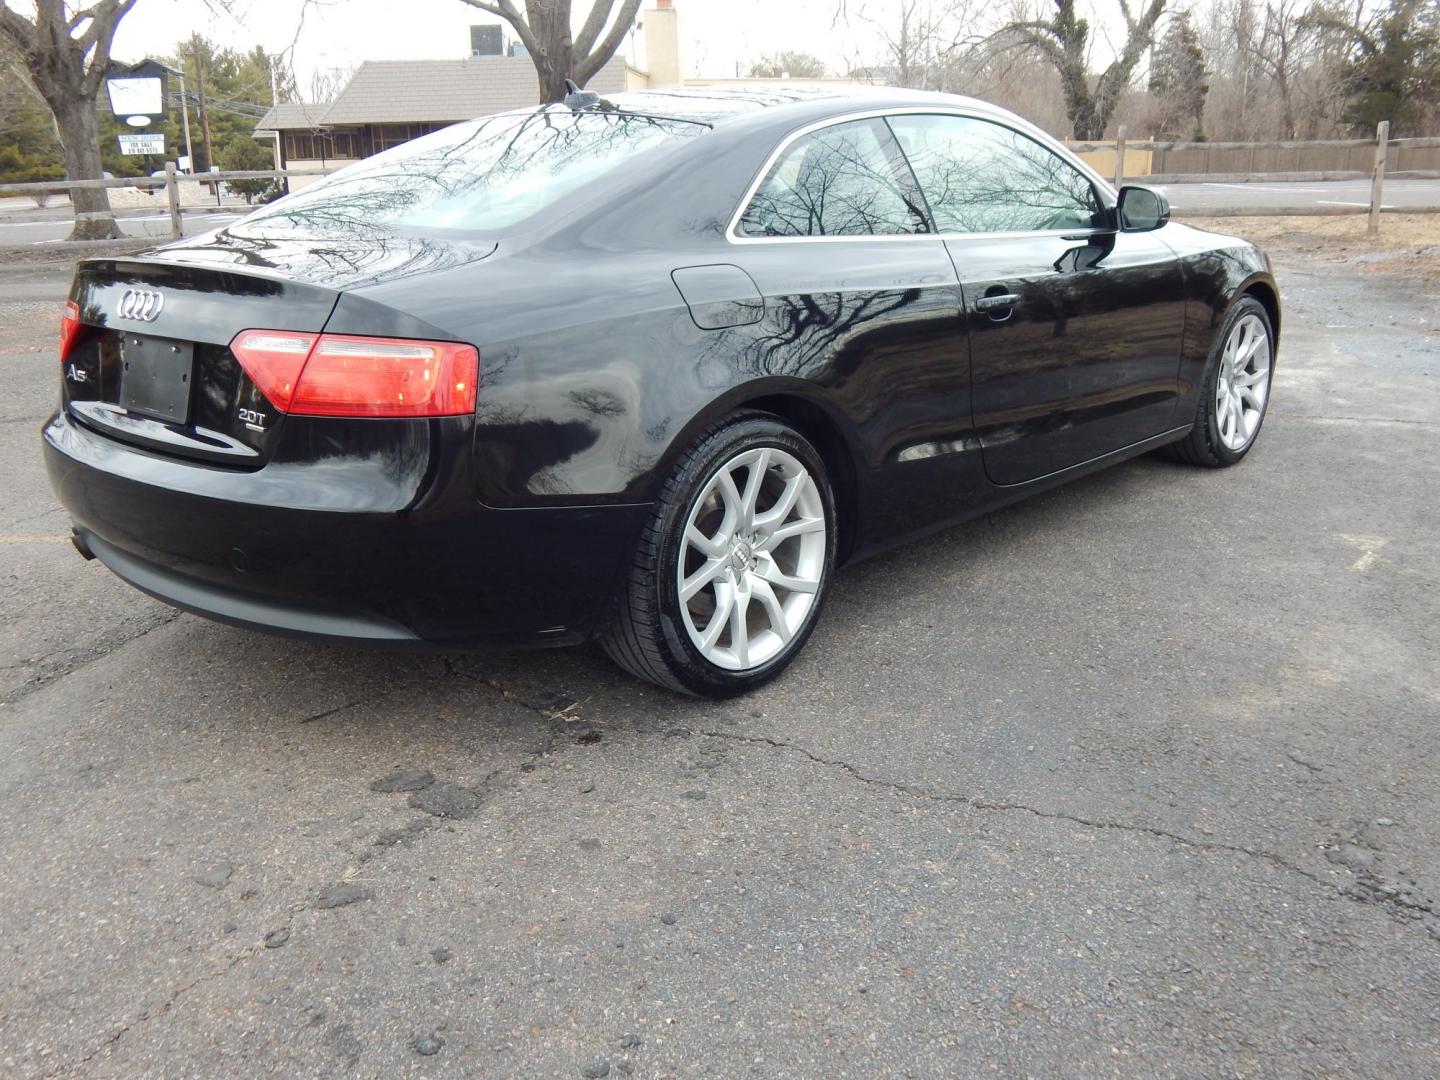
152, 365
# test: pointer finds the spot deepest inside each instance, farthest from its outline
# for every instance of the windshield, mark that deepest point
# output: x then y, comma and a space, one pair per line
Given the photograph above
480, 175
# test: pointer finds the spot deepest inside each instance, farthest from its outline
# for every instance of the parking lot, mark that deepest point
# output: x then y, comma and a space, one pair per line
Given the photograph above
1138, 778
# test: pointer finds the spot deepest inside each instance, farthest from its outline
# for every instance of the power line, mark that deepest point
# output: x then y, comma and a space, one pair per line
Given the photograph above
248, 109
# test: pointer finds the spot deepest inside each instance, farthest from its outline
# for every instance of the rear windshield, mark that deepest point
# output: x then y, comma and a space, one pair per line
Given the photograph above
480, 175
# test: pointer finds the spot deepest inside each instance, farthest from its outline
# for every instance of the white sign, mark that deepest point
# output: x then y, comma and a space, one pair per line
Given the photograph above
131, 96
149, 142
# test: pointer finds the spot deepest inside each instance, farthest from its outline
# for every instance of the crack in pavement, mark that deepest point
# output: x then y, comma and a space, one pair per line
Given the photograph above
549, 713
54, 672
151, 1013
52, 512
1368, 889
344, 707
1368, 892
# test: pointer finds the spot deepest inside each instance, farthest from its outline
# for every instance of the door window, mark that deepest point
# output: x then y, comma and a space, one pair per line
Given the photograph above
844, 180
980, 177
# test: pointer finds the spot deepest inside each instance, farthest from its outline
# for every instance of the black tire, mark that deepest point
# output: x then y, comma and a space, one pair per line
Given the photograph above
646, 635
1203, 445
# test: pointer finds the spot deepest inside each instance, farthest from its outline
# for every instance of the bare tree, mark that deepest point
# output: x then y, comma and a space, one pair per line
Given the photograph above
1064, 40
545, 29
326, 83
910, 43
66, 56
1016, 78
796, 65
1277, 51
922, 44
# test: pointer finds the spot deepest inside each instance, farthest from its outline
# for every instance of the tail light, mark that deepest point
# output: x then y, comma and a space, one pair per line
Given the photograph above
345, 375
70, 328
273, 360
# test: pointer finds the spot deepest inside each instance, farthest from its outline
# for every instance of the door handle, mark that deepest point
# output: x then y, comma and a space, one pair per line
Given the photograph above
994, 303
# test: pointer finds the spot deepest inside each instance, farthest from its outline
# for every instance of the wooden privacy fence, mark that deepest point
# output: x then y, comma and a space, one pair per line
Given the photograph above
1322, 159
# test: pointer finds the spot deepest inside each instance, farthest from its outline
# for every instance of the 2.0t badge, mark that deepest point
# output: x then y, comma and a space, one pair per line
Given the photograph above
142, 305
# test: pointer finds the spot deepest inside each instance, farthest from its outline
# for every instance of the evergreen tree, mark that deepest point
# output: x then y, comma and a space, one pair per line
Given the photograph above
1178, 78
237, 89
1393, 69
29, 148
243, 155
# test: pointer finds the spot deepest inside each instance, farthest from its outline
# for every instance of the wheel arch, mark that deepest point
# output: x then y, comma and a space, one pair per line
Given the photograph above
1263, 290
823, 432
803, 409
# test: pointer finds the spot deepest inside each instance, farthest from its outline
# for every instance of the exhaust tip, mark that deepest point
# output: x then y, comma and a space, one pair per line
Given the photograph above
81, 545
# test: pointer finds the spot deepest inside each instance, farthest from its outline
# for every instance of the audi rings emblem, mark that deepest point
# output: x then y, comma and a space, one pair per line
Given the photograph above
142, 305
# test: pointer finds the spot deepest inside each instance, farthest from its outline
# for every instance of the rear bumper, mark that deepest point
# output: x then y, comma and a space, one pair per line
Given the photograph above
441, 571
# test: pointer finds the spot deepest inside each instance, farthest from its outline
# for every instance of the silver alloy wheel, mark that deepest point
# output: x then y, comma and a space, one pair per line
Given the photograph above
751, 559
1243, 383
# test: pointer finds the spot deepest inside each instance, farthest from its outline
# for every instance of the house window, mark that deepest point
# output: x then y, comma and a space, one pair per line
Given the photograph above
391, 135
299, 146
320, 146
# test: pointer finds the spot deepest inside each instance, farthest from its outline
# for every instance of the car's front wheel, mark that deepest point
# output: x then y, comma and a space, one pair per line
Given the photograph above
1235, 392
730, 575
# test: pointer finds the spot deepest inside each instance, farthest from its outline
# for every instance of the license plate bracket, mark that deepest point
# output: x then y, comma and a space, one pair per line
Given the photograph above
155, 377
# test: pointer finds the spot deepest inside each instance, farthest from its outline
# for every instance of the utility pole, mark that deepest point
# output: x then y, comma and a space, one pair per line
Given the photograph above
185, 121
274, 101
184, 112
200, 101
1377, 176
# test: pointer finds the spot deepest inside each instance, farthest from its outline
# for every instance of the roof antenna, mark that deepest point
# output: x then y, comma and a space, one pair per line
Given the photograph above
577, 99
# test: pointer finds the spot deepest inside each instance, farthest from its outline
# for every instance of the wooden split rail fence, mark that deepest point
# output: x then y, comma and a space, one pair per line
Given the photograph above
1145, 162
170, 183
1275, 162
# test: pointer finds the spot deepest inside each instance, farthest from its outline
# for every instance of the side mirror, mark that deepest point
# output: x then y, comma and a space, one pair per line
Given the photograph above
1141, 209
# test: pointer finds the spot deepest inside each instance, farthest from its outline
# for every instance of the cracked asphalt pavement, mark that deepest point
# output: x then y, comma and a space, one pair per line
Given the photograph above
1138, 778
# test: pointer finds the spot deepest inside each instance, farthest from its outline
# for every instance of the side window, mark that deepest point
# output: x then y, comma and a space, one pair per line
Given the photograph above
981, 177
844, 180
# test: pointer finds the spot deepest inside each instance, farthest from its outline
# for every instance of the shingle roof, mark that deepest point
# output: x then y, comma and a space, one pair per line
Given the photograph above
288, 117
396, 91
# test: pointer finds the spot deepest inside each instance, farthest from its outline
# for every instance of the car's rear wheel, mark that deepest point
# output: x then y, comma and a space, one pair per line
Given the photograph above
730, 575
1235, 392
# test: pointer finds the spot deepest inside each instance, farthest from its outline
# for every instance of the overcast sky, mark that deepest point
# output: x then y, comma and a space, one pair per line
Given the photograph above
715, 34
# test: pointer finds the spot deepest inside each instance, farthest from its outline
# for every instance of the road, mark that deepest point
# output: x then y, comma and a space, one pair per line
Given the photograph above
36, 227
19, 226
1197, 198
1136, 779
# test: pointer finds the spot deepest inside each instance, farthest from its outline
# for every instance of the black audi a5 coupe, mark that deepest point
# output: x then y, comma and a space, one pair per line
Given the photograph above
645, 370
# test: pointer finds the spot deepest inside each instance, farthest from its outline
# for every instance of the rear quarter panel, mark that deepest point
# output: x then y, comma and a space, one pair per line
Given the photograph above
589, 363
